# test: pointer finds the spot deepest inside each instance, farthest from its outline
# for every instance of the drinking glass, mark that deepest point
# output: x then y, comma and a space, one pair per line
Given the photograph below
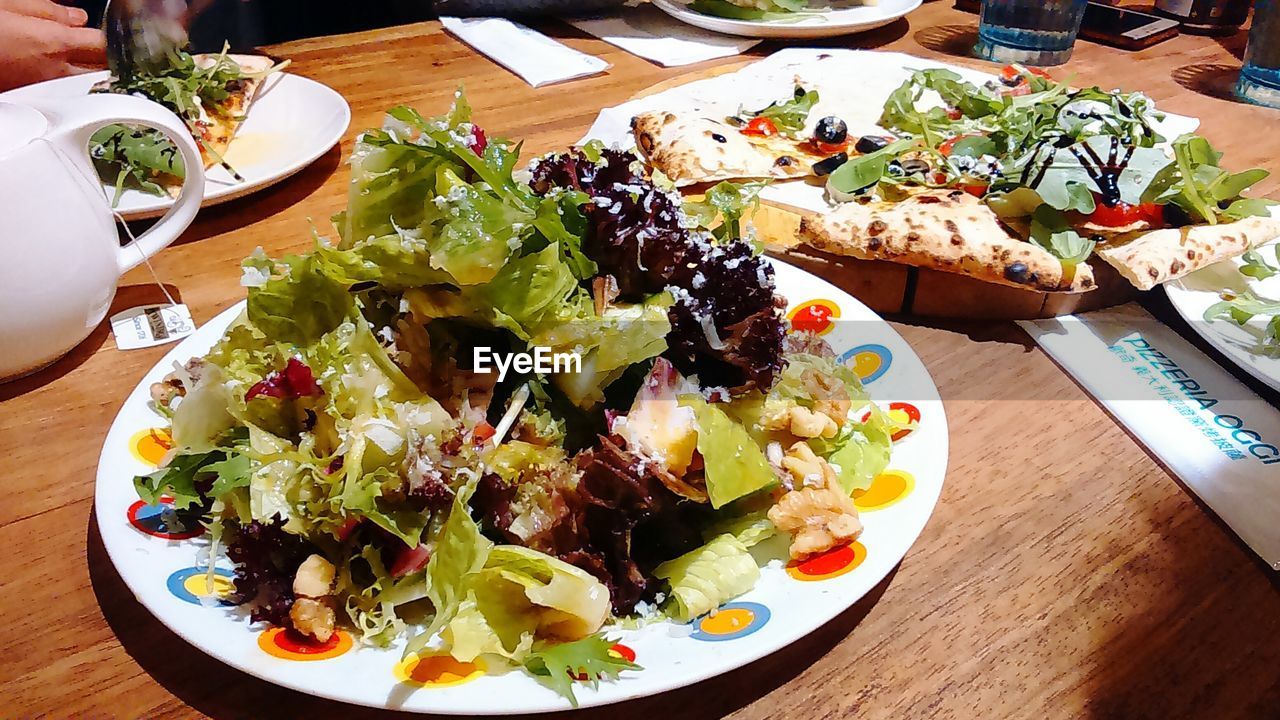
1260, 77
1029, 32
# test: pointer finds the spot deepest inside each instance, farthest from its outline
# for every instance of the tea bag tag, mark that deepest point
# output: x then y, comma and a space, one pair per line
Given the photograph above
151, 325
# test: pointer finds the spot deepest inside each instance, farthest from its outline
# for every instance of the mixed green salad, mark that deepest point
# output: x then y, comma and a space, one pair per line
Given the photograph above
1067, 166
197, 92
756, 10
1243, 307
359, 470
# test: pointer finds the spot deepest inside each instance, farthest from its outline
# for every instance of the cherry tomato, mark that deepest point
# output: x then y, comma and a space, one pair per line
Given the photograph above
830, 148
1010, 73
482, 432
975, 188
945, 147
348, 526
760, 126
954, 113
410, 560
1122, 214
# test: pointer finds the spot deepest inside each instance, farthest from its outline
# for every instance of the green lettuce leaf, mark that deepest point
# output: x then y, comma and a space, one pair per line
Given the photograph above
735, 464
706, 578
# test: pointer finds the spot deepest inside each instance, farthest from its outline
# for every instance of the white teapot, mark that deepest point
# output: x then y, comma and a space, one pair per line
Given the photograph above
61, 256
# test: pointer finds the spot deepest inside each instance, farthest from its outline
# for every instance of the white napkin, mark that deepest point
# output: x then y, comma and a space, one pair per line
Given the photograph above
1207, 427
524, 51
653, 35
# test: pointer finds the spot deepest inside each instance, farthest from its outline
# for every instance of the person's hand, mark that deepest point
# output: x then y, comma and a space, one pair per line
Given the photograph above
41, 40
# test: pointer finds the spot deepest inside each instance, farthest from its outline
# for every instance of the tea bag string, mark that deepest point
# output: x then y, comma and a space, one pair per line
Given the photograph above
145, 260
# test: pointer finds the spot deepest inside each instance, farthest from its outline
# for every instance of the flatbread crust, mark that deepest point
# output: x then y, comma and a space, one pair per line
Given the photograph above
1147, 259
221, 127
690, 149
948, 230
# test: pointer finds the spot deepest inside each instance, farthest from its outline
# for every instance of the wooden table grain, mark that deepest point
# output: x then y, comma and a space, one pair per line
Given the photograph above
1065, 574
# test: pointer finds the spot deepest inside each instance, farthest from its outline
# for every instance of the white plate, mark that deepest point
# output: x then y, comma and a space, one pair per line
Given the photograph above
1195, 293
779, 611
844, 18
293, 120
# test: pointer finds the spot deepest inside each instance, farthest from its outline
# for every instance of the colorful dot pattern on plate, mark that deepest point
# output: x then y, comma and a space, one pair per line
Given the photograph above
617, 650
832, 563
732, 621
436, 671
869, 362
289, 645
191, 584
815, 316
150, 445
903, 417
160, 521
886, 489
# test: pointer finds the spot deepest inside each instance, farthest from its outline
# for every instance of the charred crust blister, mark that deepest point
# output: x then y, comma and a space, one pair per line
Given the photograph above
875, 227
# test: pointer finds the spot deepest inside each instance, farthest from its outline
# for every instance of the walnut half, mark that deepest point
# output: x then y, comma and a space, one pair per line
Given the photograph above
818, 514
312, 611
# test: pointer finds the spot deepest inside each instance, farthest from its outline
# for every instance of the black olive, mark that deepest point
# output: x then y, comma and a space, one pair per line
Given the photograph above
870, 143
783, 161
825, 167
1174, 216
831, 130
914, 166
1017, 272
1064, 141
719, 138
799, 93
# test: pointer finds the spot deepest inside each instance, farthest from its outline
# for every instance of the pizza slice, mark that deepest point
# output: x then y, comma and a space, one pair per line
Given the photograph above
211, 93
772, 142
947, 230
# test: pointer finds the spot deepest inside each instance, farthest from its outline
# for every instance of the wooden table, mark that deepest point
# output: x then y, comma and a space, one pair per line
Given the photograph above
1064, 573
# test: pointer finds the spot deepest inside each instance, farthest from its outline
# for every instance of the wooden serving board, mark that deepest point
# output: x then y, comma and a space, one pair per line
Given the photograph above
888, 287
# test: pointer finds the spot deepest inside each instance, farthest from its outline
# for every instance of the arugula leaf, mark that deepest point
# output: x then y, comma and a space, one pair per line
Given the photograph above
229, 470
589, 660
1243, 308
231, 473
1248, 207
788, 116
140, 158
1051, 231
1079, 198
1195, 183
727, 201
974, 146
1256, 266
177, 479
863, 171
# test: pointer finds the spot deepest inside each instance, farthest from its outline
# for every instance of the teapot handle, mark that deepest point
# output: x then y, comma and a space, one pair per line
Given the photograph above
74, 123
